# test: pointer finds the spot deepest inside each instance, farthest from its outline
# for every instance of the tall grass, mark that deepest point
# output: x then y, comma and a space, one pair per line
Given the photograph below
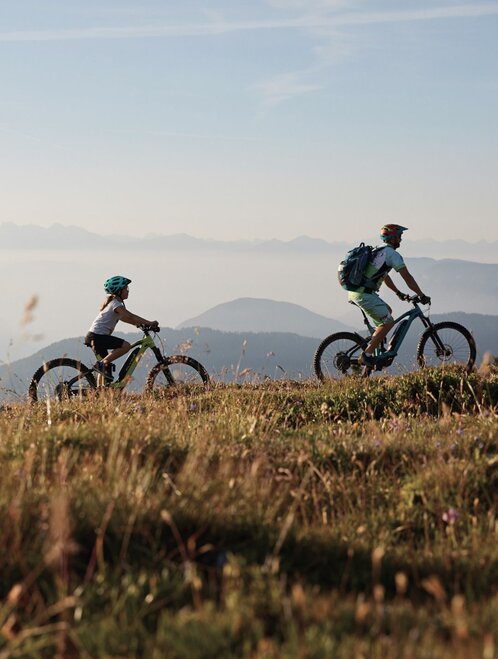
274, 520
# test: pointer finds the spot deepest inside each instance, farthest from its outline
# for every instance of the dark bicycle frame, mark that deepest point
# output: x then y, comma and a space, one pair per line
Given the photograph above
385, 356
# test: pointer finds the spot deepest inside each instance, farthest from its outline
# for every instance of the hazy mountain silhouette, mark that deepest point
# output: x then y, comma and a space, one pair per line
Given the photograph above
177, 277
261, 315
58, 236
456, 285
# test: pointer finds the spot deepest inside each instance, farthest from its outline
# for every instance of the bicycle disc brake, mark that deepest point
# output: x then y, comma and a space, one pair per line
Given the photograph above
342, 362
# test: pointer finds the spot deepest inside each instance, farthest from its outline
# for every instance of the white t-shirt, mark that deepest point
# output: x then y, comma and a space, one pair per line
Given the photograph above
385, 258
107, 319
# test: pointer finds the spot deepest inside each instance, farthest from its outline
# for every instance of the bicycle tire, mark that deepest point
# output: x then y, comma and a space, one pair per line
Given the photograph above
188, 372
461, 351
47, 383
335, 363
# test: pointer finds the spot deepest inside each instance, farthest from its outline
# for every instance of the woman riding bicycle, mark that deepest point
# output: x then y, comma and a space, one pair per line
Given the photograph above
112, 310
384, 259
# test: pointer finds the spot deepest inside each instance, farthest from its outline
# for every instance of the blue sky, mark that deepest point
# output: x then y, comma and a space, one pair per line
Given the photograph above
266, 119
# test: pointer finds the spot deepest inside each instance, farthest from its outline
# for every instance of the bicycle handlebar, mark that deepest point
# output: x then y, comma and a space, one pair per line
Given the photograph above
149, 328
416, 299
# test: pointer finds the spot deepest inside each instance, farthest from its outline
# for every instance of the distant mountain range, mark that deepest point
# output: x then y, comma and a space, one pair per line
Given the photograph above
246, 354
259, 315
58, 236
177, 277
269, 316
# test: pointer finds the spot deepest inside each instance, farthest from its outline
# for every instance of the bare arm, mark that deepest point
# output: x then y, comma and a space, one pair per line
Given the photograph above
131, 318
390, 284
410, 281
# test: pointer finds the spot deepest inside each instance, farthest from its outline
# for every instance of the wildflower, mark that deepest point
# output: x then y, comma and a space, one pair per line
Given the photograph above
450, 516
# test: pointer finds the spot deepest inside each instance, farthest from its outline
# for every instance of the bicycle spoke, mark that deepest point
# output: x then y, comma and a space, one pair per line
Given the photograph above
177, 372
60, 379
446, 344
337, 356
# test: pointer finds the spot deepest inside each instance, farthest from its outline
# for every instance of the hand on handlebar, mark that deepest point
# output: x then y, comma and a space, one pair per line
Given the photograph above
152, 327
420, 299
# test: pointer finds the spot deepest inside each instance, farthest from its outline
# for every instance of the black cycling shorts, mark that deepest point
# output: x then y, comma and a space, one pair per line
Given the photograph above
102, 343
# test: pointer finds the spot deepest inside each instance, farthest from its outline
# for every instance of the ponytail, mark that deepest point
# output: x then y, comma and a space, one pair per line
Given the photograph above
108, 299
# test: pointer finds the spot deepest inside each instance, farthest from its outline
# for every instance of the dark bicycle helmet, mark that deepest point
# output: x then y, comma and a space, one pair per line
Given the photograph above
391, 231
114, 284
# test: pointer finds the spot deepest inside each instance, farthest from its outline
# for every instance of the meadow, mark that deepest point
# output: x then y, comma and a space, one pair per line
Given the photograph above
277, 519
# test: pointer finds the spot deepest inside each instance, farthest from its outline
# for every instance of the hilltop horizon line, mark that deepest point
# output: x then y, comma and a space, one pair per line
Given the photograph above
302, 239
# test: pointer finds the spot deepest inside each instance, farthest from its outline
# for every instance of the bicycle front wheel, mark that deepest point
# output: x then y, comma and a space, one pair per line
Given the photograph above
61, 379
337, 356
178, 371
446, 343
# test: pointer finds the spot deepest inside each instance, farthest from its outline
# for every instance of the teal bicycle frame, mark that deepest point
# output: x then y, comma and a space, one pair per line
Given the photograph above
385, 356
440, 343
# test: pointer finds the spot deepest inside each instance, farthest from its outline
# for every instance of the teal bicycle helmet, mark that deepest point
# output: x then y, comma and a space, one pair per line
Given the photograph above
114, 284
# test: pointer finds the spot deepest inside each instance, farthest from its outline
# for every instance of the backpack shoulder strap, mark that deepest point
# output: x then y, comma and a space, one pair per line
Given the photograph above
381, 271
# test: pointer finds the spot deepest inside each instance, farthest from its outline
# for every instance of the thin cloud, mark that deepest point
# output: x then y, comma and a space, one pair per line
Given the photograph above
311, 4
225, 27
337, 46
283, 88
191, 136
32, 138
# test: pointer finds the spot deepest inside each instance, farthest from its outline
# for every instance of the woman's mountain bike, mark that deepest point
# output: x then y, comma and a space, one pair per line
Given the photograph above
445, 343
63, 377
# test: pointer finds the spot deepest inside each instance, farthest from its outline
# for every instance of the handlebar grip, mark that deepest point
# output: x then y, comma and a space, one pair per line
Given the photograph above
149, 328
420, 299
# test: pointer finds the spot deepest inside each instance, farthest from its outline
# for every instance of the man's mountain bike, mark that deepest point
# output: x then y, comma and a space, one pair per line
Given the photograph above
63, 377
445, 343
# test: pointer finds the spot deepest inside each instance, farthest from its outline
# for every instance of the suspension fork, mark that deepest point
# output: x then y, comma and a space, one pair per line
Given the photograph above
160, 359
434, 336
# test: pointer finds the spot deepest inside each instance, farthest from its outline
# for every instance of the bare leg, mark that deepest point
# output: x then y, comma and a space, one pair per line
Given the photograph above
116, 354
378, 336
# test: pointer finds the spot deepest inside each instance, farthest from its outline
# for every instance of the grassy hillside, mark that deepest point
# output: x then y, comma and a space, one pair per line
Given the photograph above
273, 520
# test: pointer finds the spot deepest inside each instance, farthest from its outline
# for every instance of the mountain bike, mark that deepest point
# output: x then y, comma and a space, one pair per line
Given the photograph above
445, 343
63, 378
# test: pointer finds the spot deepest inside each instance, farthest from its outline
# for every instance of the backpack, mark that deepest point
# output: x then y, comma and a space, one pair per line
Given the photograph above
351, 271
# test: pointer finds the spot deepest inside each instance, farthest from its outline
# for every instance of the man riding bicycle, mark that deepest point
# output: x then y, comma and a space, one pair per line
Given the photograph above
367, 298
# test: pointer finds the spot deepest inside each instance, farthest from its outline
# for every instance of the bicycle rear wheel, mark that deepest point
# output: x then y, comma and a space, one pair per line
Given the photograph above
61, 379
337, 356
179, 372
447, 344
